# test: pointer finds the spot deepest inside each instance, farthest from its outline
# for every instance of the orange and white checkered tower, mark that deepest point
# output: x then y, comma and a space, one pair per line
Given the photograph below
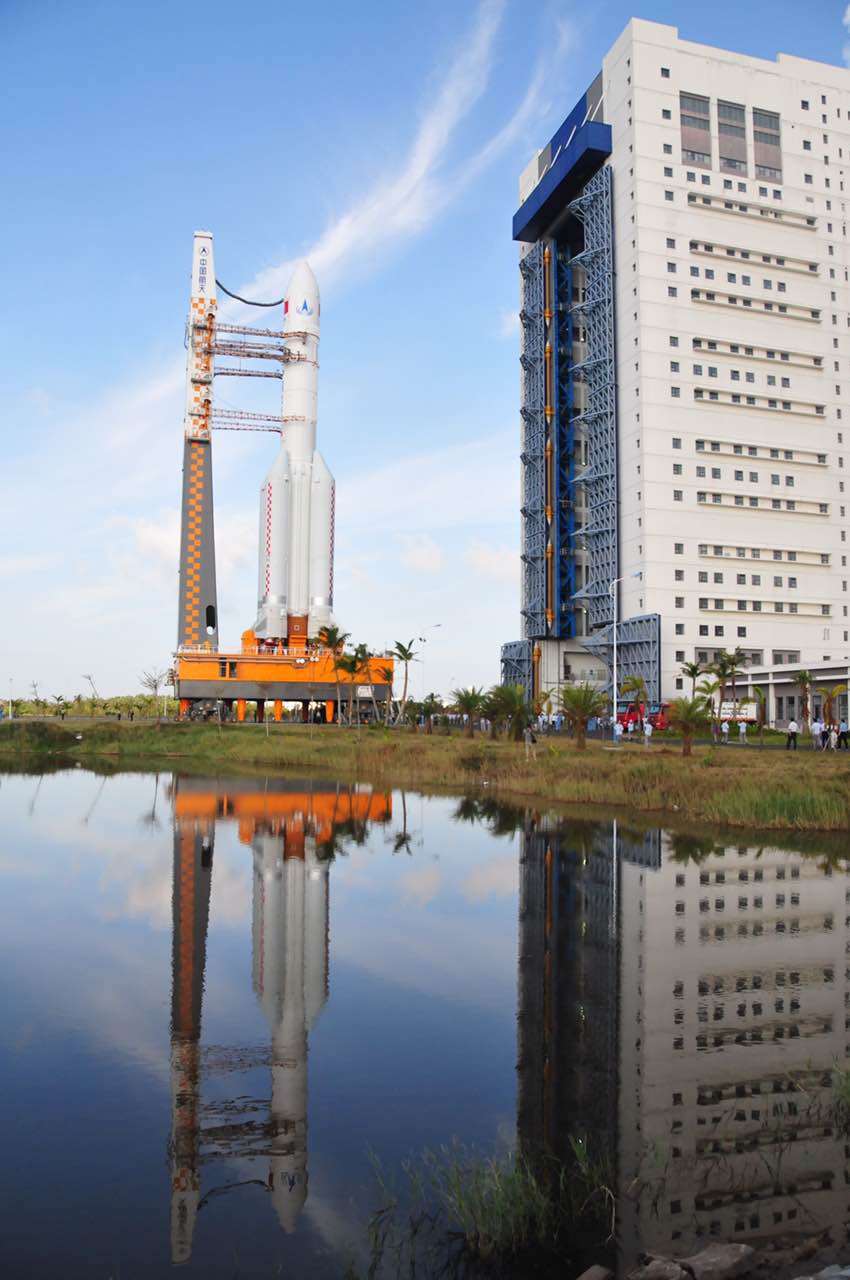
198, 608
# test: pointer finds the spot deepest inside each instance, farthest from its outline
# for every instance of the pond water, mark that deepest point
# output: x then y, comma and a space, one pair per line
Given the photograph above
224, 999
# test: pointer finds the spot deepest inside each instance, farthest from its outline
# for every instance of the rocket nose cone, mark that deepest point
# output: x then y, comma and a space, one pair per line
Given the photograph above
289, 1197
302, 292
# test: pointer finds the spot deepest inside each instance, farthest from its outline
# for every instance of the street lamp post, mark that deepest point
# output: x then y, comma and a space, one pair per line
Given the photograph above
423, 640
612, 588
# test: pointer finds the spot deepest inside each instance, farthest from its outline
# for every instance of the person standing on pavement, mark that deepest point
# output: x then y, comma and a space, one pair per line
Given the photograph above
618, 733
724, 731
817, 728
742, 732
647, 732
792, 729
842, 735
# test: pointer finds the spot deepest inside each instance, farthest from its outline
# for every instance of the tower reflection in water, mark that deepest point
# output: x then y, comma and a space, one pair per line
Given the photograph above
293, 830
682, 1007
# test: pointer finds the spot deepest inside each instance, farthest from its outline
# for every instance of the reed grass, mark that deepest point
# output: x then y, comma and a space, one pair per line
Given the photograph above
747, 788
488, 1214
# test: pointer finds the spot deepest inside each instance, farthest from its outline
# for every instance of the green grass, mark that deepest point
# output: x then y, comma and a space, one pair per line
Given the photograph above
488, 1215
771, 791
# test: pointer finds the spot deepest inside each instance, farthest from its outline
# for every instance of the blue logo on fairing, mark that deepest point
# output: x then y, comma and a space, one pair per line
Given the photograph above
305, 309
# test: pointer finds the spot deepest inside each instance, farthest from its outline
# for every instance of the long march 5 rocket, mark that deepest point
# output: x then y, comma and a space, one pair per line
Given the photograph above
295, 592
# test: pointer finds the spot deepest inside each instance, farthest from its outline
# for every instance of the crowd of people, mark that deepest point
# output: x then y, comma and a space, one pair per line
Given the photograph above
825, 737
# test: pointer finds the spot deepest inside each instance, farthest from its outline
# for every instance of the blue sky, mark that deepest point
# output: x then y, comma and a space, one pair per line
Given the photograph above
384, 142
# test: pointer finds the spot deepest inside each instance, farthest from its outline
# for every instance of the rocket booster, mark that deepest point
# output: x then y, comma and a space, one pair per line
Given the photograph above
295, 588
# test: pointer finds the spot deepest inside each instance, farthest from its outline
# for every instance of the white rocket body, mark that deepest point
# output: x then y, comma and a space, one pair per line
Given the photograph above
297, 497
290, 978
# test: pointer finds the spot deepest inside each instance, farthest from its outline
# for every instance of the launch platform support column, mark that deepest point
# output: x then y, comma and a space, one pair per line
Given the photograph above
278, 710
240, 709
198, 607
330, 708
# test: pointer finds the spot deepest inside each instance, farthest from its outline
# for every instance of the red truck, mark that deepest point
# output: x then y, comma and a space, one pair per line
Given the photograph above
657, 713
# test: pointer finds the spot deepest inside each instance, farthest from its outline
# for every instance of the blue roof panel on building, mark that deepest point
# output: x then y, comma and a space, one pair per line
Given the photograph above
574, 165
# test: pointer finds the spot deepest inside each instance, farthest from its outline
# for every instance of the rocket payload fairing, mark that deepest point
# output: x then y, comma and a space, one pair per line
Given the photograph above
295, 591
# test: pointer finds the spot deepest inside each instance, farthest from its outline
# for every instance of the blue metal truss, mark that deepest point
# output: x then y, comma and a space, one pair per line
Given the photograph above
516, 664
638, 650
533, 457
564, 443
599, 419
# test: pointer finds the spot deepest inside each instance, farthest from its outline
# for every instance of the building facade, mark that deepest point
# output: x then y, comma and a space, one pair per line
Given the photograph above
685, 366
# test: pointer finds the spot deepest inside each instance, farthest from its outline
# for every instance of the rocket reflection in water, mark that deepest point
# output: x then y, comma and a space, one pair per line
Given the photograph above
193, 850
291, 829
290, 935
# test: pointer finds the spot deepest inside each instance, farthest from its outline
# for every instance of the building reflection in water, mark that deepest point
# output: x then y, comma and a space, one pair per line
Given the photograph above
293, 830
682, 1007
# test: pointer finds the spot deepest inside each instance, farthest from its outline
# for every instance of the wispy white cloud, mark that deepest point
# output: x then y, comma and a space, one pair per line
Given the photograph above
509, 324
420, 884
444, 488
501, 563
421, 552
498, 878
14, 564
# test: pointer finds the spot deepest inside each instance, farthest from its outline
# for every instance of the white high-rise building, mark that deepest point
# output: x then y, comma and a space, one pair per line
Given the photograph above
686, 369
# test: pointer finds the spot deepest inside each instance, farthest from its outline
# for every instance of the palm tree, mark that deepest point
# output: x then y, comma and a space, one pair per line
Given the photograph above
804, 682
386, 673
693, 671
830, 696
348, 664
708, 690
493, 708
366, 669
636, 686
431, 707
727, 666
761, 705
335, 640
516, 710
468, 702
361, 658
688, 716
580, 703
404, 653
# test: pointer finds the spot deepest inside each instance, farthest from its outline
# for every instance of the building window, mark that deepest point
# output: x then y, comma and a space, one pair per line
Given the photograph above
665, 73
677, 495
